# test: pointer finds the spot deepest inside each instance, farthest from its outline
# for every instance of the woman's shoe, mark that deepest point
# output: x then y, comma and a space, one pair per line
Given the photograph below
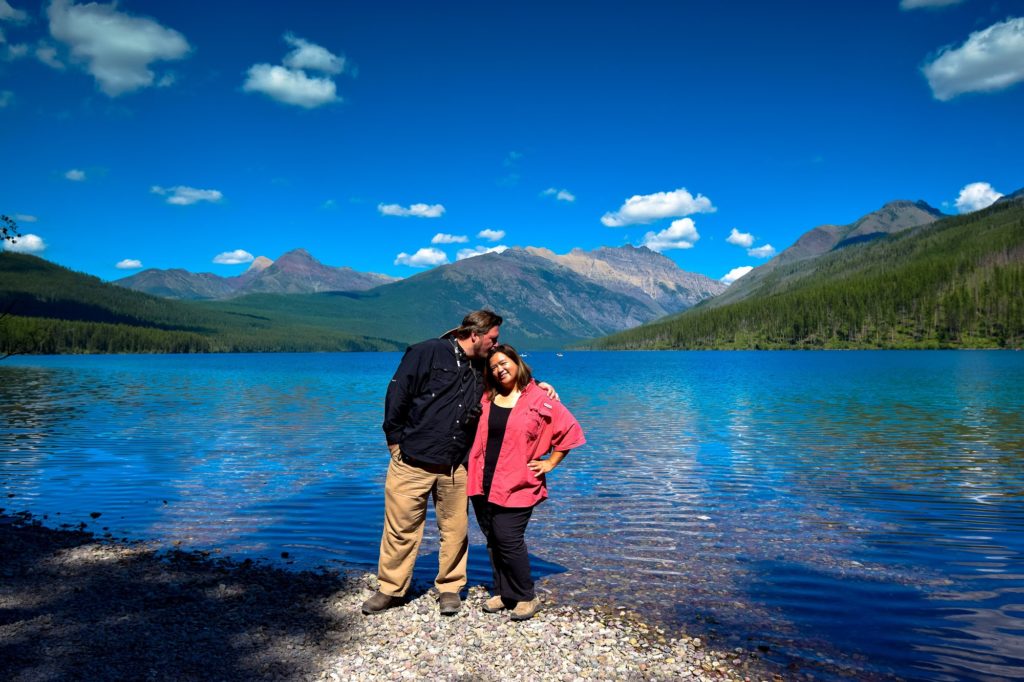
494, 604
525, 610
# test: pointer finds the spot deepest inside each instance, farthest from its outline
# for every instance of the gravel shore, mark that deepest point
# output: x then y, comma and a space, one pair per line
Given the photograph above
74, 606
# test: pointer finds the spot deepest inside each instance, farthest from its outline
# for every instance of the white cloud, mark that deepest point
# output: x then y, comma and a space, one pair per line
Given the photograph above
560, 194
736, 273
647, 208
463, 254
186, 196
491, 235
416, 210
681, 234
291, 86
744, 239
766, 251
918, 4
442, 238
991, 59
6, 97
116, 48
424, 258
27, 243
25, 218
290, 83
233, 257
976, 196
8, 13
14, 51
47, 54
307, 55
75, 175
129, 264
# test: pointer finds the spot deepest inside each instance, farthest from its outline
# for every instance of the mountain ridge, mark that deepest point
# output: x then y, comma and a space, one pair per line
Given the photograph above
892, 218
294, 272
957, 282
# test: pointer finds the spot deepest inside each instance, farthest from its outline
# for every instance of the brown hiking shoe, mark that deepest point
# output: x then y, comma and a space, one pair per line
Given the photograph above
494, 604
449, 603
380, 602
525, 610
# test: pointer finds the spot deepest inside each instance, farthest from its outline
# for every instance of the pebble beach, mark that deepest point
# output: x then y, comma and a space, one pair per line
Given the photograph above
76, 606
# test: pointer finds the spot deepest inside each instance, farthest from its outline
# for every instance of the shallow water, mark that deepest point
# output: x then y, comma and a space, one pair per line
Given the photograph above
852, 513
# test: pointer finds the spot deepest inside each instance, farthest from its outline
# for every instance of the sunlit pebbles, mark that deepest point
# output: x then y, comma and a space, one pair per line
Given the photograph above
848, 514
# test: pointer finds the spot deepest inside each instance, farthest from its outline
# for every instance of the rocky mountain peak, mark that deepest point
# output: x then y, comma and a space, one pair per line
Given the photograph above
260, 264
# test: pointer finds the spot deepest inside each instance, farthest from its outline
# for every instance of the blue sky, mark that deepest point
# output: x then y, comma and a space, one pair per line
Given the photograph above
391, 136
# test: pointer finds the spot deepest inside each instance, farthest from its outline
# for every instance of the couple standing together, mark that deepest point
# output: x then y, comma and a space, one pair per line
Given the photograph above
463, 417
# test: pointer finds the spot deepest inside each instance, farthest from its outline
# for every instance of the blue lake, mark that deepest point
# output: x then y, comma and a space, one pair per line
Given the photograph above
855, 514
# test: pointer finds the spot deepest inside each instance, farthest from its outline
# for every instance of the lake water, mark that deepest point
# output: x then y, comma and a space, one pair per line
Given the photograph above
853, 514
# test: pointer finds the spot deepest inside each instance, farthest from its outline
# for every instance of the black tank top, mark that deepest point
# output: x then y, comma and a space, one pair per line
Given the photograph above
496, 424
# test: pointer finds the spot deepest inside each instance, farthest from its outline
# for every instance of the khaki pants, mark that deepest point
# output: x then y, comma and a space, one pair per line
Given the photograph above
408, 486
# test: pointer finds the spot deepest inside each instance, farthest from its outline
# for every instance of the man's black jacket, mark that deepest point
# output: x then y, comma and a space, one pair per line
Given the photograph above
433, 403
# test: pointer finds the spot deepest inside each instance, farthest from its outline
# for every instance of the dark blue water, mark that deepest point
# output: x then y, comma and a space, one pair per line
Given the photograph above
854, 514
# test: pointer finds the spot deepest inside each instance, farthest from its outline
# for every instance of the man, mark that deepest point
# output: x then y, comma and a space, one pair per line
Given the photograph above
430, 416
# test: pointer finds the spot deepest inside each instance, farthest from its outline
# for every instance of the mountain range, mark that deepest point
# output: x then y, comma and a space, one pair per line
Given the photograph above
892, 218
904, 276
543, 296
296, 272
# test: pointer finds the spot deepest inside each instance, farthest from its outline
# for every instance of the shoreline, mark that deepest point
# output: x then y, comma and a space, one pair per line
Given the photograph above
74, 605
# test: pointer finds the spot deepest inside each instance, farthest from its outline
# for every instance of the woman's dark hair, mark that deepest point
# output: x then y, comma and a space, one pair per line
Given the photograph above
524, 377
478, 322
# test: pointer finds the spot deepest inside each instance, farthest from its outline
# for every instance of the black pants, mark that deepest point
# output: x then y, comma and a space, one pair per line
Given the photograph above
505, 530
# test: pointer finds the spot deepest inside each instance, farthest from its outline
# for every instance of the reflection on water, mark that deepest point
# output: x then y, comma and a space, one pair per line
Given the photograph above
847, 511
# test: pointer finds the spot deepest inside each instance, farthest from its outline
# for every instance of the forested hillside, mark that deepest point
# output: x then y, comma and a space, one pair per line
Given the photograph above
957, 283
49, 309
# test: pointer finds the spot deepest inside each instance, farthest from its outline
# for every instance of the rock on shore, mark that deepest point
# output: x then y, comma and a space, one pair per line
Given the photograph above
76, 607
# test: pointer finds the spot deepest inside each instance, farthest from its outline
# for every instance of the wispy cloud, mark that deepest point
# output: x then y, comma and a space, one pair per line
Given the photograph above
25, 218
115, 47
990, 60
26, 243
559, 194
491, 235
976, 196
442, 238
8, 13
681, 234
744, 239
424, 258
764, 251
463, 254
646, 208
129, 264
233, 257
291, 83
186, 196
926, 4
75, 175
414, 211
736, 273
47, 54
311, 56
6, 97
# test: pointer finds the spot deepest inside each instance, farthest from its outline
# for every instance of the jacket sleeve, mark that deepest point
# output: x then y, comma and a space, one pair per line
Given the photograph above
566, 432
412, 374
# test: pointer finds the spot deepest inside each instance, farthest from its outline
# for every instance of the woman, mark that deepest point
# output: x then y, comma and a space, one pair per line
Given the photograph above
518, 426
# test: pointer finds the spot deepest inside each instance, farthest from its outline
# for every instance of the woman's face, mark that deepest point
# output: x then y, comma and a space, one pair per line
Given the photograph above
503, 369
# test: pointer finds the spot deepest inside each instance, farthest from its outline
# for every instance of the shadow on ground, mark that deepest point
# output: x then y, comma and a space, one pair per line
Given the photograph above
73, 607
